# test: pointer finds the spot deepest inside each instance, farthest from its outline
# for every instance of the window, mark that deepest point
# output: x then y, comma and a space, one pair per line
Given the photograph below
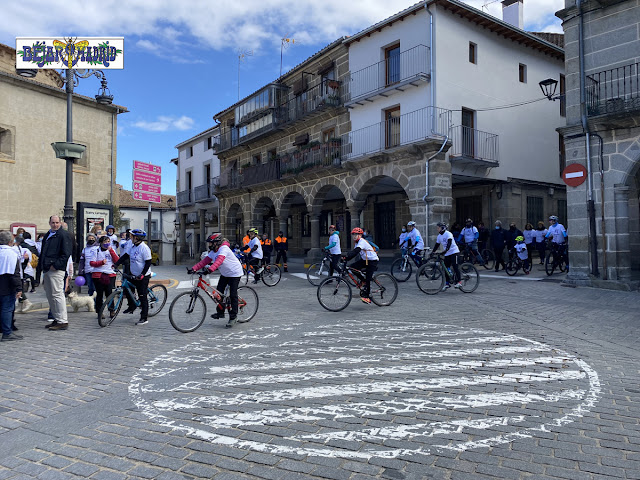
125, 224
326, 219
189, 152
256, 159
535, 210
328, 135
272, 155
154, 229
188, 185
563, 100
468, 132
6, 144
473, 53
392, 127
392, 64
562, 212
209, 143
561, 153
305, 226
522, 73
207, 174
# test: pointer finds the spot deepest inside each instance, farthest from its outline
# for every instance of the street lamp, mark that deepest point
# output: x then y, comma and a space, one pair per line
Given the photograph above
548, 88
69, 150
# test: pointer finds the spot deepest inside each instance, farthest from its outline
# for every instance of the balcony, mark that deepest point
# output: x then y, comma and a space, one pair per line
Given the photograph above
473, 148
614, 92
184, 198
394, 74
206, 193
264, 172
312, 157
404, 130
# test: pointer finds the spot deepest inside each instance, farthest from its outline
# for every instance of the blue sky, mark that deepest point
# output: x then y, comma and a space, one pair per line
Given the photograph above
181, 58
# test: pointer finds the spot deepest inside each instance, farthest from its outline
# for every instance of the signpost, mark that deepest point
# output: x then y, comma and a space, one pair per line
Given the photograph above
147, 181
574, 175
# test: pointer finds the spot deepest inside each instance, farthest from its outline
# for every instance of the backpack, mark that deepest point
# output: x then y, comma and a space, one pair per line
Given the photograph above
34, 260
376, 248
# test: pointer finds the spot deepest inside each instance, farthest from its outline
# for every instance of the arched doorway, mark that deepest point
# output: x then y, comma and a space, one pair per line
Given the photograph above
235, 224
265, 218
330, 204
294, 212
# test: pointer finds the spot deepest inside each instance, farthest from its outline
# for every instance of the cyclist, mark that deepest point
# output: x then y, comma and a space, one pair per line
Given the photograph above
451, 250
139, 258
470, 235
254, 257
523, 252
415, 244
223, 259
402, 240
368, 262
558, 236
334, 250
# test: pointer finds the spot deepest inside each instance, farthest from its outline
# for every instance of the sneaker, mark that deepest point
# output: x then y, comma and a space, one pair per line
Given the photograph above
130, 310
232, 321
51, 323
255, 281
445, 287
59, 326
14, 328
458, 285
260, 270
26, 306
10, 337
33, 290
142, 321
366, 300
218, 315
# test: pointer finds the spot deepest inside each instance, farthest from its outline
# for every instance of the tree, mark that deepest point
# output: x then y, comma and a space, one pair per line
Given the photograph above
117, 214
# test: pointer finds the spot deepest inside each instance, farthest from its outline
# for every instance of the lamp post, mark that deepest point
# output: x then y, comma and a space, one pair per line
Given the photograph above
68, 150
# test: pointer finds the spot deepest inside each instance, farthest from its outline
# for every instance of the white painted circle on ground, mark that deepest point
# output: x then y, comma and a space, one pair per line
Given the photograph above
359, 391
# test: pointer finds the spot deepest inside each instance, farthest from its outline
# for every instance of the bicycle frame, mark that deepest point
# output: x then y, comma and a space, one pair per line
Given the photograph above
215, 295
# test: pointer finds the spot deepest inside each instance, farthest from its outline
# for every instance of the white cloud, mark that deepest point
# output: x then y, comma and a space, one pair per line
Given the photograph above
166, 123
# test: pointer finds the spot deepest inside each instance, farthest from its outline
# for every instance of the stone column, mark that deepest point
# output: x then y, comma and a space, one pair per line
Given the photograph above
203, 231
623, 250
315, 253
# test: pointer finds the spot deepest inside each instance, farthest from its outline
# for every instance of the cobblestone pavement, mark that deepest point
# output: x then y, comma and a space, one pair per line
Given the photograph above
520, 379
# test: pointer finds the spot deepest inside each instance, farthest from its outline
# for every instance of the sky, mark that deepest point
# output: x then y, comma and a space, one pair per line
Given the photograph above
181, 62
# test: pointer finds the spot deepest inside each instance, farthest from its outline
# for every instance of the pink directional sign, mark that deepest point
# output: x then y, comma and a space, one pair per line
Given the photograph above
147, 197
143, 187
146, 167
146, 177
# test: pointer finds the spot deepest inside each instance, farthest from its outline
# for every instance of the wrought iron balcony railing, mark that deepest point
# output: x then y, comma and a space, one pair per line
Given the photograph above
472, 144
206, 192
612, 91
184, 198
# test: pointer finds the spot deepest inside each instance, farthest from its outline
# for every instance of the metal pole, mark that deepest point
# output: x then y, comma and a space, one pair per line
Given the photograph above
149, 224
68, 193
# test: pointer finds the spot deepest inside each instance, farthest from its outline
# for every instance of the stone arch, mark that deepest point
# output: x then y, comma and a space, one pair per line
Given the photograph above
321, 189
627, 204
234, 224
286, 195
264, 216
368, 179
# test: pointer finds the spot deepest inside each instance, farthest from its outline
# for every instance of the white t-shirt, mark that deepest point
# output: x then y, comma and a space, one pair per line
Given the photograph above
19, 251
252, 243
87, 253
443, 238
416, 239
231, 266
523, 253
139, 254
557, 232
401, 240
96, 254
540, 234
335, 250
528, 236
125, 245
469, 234
24, 253
367, 252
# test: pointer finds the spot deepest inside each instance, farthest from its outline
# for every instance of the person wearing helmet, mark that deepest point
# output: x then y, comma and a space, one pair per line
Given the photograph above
367, 263
558, 235
139, 259
522, 252
415, 244
334, 250
230, 268
111, 233
255, 254
450, 248
469, 235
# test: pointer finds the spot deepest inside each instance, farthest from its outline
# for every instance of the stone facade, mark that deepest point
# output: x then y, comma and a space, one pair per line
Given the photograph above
612, 111
32, 116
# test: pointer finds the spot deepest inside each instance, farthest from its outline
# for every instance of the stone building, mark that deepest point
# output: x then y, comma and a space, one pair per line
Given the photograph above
432, 114
32, 116
602, 133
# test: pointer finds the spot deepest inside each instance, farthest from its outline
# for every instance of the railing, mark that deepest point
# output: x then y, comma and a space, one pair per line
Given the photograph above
184, 198
614, 91
471, 143
205, 192
263, 172
323, 155
396, 69
406, 129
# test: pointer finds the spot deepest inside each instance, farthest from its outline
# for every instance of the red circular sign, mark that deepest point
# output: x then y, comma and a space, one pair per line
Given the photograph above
574, 175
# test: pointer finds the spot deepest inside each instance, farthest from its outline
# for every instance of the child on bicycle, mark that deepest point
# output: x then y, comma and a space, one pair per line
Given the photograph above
334, 250
451, 250
368, 261
223, 259
523, 252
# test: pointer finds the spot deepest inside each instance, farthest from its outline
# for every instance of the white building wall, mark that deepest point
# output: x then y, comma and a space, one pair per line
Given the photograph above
165, 218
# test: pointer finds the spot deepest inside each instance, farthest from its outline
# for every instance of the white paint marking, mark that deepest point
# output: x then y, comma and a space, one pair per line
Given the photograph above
574, 175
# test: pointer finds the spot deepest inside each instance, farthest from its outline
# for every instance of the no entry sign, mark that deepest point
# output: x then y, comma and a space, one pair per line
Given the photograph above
574, 175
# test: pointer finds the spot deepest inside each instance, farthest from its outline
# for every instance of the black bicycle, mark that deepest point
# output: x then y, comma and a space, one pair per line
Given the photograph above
319, 270
556, 258
434, 273
401, 268
466, 255
516, 263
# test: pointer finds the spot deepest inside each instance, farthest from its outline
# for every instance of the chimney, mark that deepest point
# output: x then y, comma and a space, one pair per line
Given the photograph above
512, 13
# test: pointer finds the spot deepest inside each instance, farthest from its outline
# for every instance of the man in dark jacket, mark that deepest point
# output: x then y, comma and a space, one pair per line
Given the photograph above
10, 285
498, 242
54, 255
513, 233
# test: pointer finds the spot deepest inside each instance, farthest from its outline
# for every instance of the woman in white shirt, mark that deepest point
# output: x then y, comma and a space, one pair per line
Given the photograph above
451, 250
541, 246
368, 261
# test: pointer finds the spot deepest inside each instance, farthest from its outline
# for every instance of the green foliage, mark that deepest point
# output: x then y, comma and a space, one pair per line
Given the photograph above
117, 214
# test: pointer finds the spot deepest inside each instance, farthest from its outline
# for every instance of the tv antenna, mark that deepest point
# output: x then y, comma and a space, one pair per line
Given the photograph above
242, 57
284, 43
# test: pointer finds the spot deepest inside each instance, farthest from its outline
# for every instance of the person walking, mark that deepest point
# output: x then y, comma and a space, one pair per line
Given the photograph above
56, 250
281, 246
10, 285
84, 265
498, 242
483, 236
529, 235
541, 244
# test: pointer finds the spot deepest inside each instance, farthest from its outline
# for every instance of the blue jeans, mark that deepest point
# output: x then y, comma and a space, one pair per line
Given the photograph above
7, 305
89, 283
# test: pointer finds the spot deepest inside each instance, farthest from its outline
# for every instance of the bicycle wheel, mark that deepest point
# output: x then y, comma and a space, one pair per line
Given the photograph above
469, 277
430, 278
489, 259
247, 304
526, 269
511, 267
157, 298
401, 269
334, 294
316, 273
187, 311
562, 263
550, 263
110, 308
384, 289
271, 275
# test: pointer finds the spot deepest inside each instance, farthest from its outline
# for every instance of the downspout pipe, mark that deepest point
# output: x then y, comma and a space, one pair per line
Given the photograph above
593, 241
602, 218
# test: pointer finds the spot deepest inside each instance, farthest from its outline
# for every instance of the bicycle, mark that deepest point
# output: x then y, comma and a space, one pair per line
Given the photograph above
156, 294
432, 275
488, 257
316, 271
401, 268
556, 258
270, 275
335, 293
515, 264
189, 309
